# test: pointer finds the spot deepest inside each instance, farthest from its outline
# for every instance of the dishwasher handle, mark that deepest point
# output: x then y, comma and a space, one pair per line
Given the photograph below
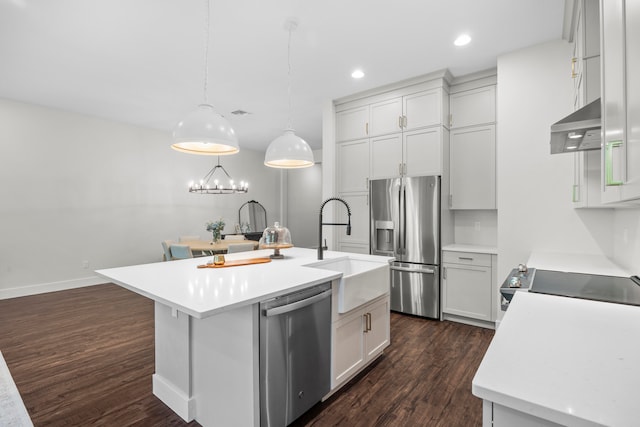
425, 270
297, 305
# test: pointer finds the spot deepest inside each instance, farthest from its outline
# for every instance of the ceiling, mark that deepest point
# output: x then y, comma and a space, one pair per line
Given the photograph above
142, 61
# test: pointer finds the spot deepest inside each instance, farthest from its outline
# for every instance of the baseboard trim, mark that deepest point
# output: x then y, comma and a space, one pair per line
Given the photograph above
42, 288
174, 398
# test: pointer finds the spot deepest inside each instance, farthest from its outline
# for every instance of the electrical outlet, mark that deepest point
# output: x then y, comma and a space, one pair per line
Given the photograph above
85, 264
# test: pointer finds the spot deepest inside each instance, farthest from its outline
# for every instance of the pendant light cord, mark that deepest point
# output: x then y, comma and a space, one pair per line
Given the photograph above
292, 26
206, 51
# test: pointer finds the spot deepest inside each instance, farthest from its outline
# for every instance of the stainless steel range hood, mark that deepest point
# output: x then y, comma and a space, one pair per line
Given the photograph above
579, 131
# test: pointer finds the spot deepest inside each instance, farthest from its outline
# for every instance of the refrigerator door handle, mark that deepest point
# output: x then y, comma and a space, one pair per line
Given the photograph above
404, 219
401, 215
414, 270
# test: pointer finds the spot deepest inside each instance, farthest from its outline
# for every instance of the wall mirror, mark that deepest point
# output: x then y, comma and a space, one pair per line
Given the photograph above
252, 217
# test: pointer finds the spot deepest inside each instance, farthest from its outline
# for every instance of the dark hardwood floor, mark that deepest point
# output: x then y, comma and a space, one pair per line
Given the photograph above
85, 357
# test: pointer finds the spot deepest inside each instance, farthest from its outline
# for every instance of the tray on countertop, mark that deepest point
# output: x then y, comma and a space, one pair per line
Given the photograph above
237, 262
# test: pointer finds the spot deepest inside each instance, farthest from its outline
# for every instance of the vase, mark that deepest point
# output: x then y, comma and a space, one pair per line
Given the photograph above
216, 237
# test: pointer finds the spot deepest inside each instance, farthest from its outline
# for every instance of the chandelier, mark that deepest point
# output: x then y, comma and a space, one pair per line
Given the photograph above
221, 184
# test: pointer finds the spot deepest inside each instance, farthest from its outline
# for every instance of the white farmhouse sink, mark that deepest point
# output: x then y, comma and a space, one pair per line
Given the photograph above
361, 281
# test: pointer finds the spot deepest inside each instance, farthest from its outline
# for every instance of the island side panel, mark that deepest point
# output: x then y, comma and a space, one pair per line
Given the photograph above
172, 379
225, 368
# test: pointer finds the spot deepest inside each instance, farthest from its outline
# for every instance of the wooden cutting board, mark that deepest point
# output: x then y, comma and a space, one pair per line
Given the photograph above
237, 262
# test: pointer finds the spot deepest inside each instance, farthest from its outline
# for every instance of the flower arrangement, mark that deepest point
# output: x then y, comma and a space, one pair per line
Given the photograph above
215, 227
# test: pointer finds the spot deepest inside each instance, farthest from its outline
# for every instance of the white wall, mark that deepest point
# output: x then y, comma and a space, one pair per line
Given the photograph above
534, 187
627, 239
304, 197
77, 188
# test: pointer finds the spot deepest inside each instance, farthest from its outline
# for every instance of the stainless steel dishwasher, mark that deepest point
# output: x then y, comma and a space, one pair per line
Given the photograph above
295, 354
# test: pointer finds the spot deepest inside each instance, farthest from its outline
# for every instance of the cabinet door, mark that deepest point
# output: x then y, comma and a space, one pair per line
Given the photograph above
386, 117
473, 107
352, 124
631, 189
613, 114
377, 337
467, 291
423, 109
353, 166
359, 204
422, 151
473, 168
386, 156
348, 347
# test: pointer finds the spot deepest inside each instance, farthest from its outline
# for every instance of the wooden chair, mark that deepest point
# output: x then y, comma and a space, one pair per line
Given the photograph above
240, 247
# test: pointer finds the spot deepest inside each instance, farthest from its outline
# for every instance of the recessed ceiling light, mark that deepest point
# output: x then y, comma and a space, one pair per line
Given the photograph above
357, 74
462, 40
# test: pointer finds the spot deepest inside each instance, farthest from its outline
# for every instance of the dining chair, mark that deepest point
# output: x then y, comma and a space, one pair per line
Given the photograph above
166, 256
180, 251
239, 247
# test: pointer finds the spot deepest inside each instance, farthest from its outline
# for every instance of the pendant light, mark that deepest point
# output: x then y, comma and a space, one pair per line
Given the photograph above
289, 151
204, 131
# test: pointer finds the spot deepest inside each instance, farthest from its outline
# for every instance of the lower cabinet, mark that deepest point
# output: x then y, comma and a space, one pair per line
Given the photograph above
468, 293
358, 338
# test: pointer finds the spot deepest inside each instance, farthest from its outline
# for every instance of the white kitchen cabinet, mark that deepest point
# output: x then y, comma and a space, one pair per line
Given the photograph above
473, 107
411, 153
586, 180
468, 292
404, 113
620, 67
352, 123
359, 204
358, 338
353, 166
472, 169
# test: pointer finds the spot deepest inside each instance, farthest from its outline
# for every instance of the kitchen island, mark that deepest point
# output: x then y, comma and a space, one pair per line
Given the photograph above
561, 361
207, 326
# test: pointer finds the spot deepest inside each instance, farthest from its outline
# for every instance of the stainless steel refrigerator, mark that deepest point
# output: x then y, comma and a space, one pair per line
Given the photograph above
405, 223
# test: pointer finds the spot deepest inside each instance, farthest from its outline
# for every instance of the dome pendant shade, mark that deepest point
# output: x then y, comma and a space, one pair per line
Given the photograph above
204, 131
288, 151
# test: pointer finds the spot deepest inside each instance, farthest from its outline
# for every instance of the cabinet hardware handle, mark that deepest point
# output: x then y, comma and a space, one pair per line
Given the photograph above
608, 163
405, 168
368, 321
573, 68
366, 128
464, 258
404, 121
399, 168
400, 122
576, 193
444, 273
450, 120
450, 200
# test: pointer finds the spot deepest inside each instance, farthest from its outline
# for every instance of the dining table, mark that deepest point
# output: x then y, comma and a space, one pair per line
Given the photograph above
210, 247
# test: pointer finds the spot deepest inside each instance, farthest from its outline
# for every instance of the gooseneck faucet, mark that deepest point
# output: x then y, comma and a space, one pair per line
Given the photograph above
348, 223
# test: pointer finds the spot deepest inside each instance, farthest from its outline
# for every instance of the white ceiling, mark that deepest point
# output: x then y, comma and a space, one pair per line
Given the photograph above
142, 61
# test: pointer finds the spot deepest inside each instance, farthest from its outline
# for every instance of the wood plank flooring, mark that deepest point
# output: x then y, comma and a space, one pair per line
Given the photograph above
85, 357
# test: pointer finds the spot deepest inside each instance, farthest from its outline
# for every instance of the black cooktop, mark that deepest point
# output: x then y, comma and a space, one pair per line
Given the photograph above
621, 290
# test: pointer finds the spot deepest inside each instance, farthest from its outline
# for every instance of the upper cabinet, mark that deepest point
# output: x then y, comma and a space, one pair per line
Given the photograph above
620, 68
403, 113
473, 107
352, 124
472, 162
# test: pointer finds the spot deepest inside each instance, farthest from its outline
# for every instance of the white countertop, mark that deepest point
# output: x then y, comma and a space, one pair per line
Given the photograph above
203, 292
576, 263
479, 249
571, 361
